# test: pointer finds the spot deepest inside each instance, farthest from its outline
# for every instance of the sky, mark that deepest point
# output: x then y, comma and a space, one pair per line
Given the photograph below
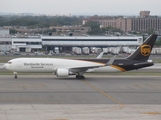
81, 7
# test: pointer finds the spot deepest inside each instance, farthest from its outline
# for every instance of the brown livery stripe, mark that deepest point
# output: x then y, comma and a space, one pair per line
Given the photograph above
119, 68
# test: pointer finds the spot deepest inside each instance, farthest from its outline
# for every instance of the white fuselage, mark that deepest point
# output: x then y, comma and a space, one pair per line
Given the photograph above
52, 64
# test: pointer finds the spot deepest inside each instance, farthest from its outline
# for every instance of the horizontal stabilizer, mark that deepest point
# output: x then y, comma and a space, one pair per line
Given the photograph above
143, 63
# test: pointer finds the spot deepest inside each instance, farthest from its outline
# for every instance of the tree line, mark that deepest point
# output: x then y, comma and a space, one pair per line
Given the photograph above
97, 30
39, 21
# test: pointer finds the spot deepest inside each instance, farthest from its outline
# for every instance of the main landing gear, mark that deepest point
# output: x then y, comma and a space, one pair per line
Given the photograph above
79, 75
15, 73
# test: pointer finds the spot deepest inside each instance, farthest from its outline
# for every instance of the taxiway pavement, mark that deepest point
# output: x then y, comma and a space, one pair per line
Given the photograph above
92, 90
46, 97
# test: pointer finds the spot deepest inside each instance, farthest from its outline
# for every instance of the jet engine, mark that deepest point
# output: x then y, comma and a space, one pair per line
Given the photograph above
62, 72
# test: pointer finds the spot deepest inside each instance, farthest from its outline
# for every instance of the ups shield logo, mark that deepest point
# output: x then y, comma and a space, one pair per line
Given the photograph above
145, 50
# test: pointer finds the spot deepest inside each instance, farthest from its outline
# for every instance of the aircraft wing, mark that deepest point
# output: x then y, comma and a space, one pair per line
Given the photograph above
85, 68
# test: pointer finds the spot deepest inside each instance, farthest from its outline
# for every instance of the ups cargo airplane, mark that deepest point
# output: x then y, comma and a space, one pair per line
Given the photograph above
67, 67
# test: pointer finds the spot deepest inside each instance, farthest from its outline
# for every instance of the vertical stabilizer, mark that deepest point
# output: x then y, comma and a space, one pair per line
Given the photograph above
144, 51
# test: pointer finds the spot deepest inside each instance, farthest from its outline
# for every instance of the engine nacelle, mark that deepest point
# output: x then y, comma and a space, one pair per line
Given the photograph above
62, 72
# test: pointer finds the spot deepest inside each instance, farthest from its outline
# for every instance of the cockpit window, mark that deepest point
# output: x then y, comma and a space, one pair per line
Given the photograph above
9, 62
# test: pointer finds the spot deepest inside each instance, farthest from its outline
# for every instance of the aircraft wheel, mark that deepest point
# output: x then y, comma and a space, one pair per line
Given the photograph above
77, 76
80, 77
15, 77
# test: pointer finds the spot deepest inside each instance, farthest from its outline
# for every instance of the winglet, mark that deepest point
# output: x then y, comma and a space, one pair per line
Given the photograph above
110, 62
100, 55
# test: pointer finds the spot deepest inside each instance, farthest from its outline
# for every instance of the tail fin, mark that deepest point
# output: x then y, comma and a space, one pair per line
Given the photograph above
144, 51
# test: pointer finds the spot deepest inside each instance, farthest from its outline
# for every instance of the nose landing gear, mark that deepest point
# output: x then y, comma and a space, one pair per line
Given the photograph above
15, 73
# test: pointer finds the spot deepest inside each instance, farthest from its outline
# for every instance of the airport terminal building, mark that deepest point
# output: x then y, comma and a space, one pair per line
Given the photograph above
66, 43
26, 44
90, 41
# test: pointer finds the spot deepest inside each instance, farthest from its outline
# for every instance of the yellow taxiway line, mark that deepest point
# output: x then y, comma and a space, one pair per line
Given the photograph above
104, 93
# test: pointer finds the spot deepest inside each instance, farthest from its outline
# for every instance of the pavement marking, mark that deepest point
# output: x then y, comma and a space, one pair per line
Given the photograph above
104, 93
152, 113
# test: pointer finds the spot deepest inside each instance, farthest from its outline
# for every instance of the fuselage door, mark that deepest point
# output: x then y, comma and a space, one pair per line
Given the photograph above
19, 64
